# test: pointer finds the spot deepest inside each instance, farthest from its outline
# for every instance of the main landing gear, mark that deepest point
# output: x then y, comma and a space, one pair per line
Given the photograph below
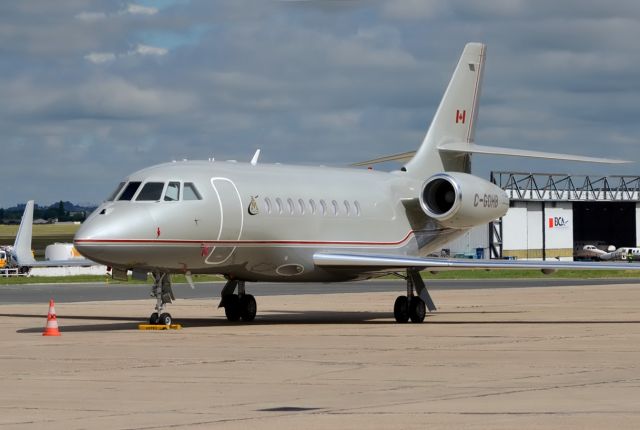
163, 293
241, 306
413, 307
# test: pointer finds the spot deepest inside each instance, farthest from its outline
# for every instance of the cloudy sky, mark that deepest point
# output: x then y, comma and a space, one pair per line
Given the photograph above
91, 91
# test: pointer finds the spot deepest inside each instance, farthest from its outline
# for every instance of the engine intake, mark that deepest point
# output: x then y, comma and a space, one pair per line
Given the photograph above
440, 195
460, 200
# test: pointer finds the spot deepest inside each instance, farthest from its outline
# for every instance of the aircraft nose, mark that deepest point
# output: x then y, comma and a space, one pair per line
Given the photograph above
104, 237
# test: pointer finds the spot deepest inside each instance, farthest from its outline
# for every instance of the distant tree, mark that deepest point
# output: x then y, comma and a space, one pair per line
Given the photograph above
12, 215
50, 213
1, 214
80, 216
60, 210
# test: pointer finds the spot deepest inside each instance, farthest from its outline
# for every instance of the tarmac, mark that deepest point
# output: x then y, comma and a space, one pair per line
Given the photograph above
534, 358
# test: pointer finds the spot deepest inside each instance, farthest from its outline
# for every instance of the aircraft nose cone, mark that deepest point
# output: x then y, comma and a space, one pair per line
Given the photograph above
88, 241
104, 237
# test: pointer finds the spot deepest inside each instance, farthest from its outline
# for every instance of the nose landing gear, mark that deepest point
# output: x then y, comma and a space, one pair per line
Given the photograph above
163, 293
412, 307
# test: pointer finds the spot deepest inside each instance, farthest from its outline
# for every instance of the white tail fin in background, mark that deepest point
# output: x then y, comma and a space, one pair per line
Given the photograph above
22, 253
22, 245
455, 118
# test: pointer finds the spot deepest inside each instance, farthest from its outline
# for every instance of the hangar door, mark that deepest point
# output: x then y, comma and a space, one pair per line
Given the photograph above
613, 223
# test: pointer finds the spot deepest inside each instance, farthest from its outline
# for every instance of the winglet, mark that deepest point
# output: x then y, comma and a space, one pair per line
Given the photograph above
254, 160
22, 245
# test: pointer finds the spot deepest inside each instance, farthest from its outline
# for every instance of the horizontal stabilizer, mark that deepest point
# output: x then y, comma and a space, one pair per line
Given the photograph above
472, 148
391, 263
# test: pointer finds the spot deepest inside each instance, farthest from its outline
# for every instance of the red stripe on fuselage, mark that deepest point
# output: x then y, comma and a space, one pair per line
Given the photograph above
240, 242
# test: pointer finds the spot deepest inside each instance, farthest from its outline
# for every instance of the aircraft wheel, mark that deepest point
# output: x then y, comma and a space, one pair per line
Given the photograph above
232, 307
417, 310
154, 319
401, 309
165, 319
248, 307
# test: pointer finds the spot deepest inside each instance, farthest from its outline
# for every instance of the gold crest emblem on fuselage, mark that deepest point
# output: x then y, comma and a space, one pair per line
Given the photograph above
253, 206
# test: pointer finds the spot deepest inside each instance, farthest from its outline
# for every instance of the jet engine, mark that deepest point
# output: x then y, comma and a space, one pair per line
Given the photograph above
460, 200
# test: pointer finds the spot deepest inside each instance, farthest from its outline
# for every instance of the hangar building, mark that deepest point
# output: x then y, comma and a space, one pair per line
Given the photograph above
552, 216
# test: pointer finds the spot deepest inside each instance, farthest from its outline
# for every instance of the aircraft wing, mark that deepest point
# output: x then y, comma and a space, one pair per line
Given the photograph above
76, 262
391, 263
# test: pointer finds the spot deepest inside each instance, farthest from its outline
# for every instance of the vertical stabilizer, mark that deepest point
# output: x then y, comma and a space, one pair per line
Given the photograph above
22, 245
455, 118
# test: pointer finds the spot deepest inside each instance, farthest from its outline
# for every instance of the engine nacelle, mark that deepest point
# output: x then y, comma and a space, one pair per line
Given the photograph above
460, 200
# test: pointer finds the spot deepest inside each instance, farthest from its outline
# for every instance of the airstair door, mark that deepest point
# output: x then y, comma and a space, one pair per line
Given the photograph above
231, 220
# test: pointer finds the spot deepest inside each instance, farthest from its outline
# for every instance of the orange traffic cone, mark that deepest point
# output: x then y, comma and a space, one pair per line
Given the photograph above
52, 322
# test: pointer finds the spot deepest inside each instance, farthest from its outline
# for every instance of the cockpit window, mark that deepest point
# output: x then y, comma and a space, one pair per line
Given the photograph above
173, 192
129, 191
190, 192
151, 192
113, 196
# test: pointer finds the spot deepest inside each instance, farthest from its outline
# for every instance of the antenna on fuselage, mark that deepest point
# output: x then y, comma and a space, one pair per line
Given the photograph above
254, 160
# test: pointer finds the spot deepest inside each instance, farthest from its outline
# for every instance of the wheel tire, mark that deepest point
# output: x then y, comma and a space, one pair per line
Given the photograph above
401, 309
154, 319
248, 307
232, 307
165, 319
417, 310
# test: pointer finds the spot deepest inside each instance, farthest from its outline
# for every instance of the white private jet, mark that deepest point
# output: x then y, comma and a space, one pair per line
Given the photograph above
254, 222
624, 253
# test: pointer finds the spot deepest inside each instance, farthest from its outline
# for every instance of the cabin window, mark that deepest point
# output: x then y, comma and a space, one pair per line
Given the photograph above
357, 206
279, 204
190, 192
173, 192
347, 207
335, 207
150, 192
323, 206
267, 204
301, 206
312, 204
290, 204
130, 190
113, 195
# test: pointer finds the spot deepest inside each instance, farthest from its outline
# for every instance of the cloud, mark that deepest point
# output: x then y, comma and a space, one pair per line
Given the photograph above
414, 9
130, 9
91, 16
100, 57
95, 99
136, 9
139, 50
149, 50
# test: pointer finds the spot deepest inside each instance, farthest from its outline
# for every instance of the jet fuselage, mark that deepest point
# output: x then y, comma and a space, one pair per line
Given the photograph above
260, 222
